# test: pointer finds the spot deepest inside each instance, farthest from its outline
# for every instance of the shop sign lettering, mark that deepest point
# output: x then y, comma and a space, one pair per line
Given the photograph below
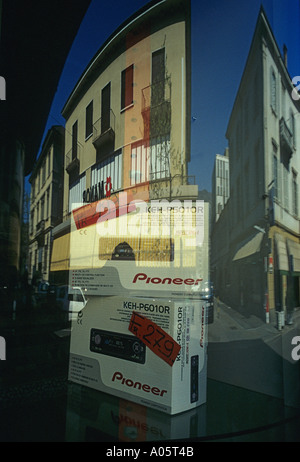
98, 191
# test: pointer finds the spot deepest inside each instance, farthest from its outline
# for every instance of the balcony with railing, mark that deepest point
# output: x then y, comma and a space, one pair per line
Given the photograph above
286, 138
181, 187
72, 160
104, 131
156, 108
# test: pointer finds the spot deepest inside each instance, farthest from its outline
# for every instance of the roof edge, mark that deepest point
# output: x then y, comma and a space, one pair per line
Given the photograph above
109, 42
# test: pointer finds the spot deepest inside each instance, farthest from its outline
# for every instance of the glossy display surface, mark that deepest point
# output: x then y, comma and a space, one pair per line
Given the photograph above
39, 404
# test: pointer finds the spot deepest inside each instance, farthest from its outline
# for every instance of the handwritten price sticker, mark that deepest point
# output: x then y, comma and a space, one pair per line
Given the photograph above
161, 343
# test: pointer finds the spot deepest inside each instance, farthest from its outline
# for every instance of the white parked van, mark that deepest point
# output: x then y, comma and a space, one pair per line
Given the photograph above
70, 301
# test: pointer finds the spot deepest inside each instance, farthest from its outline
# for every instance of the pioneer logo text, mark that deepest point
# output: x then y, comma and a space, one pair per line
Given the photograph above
118, 376
155, 280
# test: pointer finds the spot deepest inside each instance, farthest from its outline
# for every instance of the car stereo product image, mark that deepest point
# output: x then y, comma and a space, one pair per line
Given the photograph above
150, 351
118, 345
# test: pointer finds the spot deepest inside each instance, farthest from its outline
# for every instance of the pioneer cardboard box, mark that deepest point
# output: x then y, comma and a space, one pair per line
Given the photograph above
150, 351
140, 253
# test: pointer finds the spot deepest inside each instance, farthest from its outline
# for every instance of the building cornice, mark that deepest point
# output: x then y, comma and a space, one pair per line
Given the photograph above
263, 36
116, 44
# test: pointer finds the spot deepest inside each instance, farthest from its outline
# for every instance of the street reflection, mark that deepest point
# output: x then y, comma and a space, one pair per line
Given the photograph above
248, 352
93, 416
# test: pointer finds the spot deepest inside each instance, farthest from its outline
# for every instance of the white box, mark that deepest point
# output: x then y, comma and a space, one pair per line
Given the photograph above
168, 263
106, 356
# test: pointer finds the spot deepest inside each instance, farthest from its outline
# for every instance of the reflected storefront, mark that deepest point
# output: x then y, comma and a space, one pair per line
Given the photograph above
287, 272
251, 289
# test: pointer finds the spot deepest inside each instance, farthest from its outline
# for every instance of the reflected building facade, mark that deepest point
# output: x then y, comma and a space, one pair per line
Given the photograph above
45, 203
128, 117
255, 243
220, 184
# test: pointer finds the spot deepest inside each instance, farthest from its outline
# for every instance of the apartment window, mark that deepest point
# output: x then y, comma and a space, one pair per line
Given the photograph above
45, 259
295, 193
285, 187
76, 192
158, 77
276, 173
160, 158
49, 162
89, 120
31, 221
47, 202
139, 172
110, 167
258, 188
292, 126
150, 161
42, 207
44, 172
127, 87
105, 108
226, 184
283, 100
75, 140
40, 259
273, 91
